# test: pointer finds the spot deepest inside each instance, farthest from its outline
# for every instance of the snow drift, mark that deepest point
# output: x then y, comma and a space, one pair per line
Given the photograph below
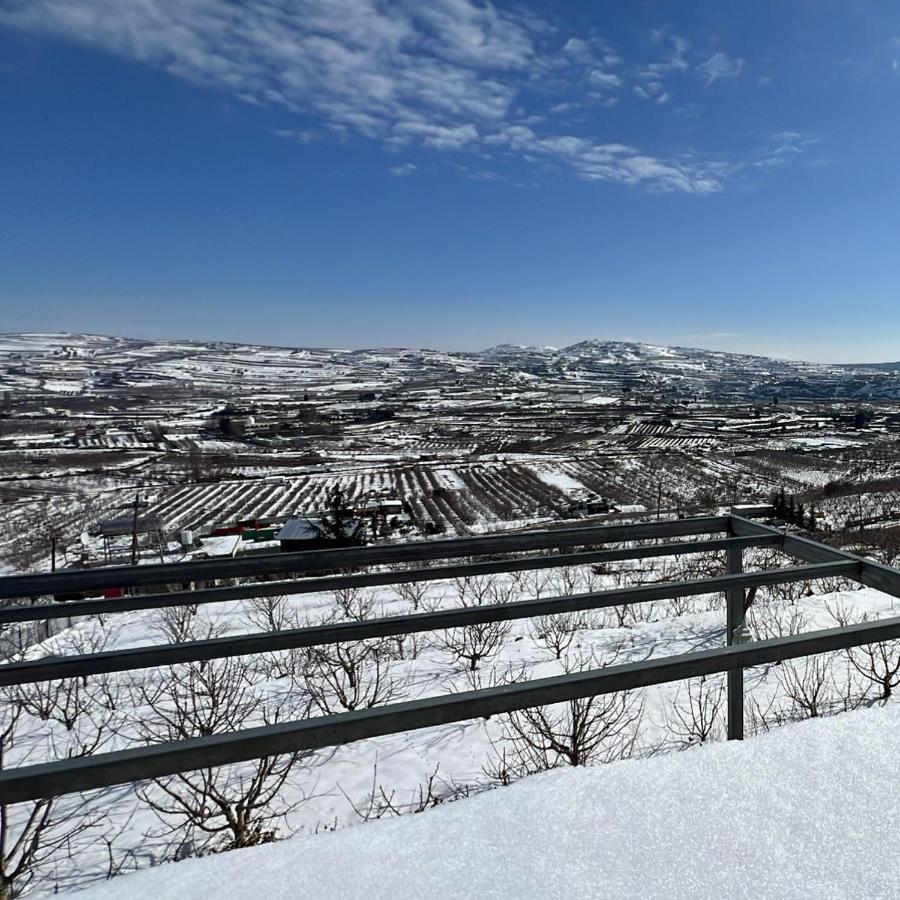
809, 810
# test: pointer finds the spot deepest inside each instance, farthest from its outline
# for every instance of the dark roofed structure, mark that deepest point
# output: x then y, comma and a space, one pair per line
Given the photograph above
312, 533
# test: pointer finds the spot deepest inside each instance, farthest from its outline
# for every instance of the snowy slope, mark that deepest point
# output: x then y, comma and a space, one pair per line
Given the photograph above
809, 810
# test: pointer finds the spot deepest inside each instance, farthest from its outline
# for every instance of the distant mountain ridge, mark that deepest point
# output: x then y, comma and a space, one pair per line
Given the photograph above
612, 369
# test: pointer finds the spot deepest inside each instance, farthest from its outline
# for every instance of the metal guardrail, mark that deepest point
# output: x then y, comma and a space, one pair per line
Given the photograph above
102, 770
350, 557
200, 596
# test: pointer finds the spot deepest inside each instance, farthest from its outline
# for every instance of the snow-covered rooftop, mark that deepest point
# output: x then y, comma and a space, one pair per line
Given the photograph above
806, 811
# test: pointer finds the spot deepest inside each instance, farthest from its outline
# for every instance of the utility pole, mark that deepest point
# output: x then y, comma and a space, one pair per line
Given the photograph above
134, 529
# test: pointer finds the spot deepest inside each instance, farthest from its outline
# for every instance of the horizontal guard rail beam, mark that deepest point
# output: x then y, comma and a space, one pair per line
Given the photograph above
871, 574
86, 773
49, 668
12, 586
111, 605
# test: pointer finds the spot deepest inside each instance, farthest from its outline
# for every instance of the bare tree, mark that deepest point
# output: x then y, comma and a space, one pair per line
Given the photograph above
575, 733
475, 643
354, 603
86, 708
274, 614
177, 624
805, 682
413, 593
565, 581
536, 582
474, 590
556, 633
481, 640
80, 715
225, 807
878, 664
696, 715
270, 613
404, 646
349, 676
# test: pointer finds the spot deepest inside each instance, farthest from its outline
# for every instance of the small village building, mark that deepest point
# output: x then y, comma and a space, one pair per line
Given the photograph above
218, 546
318, 533
590, 506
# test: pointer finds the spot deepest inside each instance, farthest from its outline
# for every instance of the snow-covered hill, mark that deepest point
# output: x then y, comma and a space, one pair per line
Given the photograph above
82, 362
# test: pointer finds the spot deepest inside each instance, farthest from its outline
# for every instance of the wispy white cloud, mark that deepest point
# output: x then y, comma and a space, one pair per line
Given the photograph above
604, 79
403, 169
455, 76
596, 161
784, 147
720, 65
651, 90
301, 135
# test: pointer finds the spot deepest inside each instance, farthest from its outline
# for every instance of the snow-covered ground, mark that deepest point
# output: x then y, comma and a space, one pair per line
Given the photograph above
329, 789
807, 811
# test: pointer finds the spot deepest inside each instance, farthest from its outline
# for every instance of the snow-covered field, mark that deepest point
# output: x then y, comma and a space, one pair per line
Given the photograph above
218, 434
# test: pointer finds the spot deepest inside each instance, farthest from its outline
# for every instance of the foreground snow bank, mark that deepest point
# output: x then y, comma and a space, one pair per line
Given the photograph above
810, 810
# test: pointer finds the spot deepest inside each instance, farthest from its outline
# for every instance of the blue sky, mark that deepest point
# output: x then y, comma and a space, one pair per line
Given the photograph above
454, 174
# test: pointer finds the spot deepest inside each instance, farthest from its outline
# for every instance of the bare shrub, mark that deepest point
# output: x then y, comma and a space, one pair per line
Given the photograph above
379, 803
675, 607
215, 808
555, 633
575, 733
354, 603
789, 592
762, 718
772, 620
696, 715
349, 676
81, 715
274, 614
481, 640
179, 624
805, 682
625, 615
270, 613
413, 593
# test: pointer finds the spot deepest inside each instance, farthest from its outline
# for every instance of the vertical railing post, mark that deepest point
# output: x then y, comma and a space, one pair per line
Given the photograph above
734, 628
